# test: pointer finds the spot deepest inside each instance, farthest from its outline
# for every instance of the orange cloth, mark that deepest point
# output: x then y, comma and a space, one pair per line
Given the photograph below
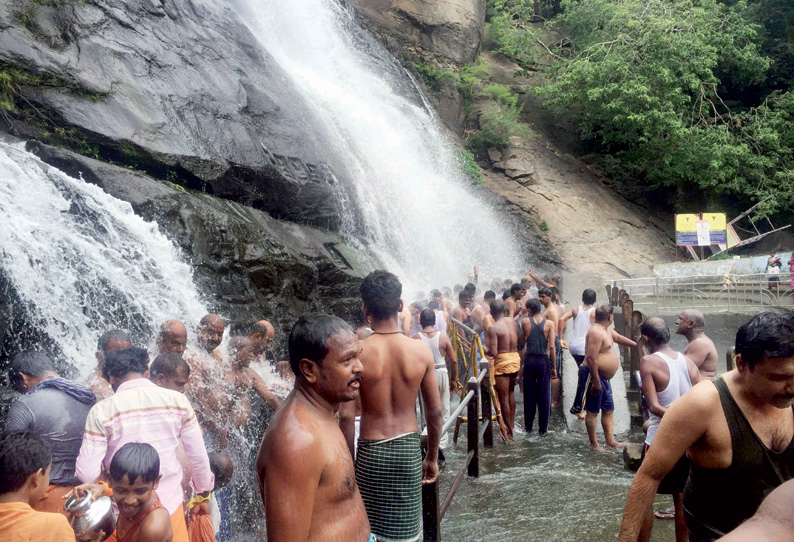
52, 500
506, 363
178, 525
20, 523
201, 529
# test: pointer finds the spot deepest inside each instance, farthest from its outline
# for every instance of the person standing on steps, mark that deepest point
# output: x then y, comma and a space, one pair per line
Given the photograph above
584, 316
537, 334
602, 360
737, 430
389, 466
701, 349
666, 375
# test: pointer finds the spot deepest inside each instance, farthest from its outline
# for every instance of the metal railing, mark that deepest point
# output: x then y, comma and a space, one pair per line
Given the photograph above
728, 292
478, 393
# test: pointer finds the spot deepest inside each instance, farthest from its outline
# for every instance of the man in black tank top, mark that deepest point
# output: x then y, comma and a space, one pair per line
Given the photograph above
737, 430
537, 340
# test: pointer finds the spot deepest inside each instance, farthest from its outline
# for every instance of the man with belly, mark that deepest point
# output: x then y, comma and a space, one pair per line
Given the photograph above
701, 349
603, 363
305, 472
389, 466
502, 342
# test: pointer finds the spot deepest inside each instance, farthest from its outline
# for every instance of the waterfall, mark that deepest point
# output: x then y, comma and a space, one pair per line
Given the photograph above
412, 204
82, 262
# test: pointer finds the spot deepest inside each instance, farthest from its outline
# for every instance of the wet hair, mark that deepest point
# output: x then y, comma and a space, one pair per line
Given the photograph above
419, 305
381, 293
168, 364
309, 336
237, 342
122, 362
31, 363
22, 454
766, 335
435, 293
359, 318
544, 291
446, 292
434, 305
118, 335
533, 306
489, 294
223, 469
463, 296
603, 312
505, 295
471, 288
497, 308
555, 293
250, 329
516, 287
427, 318
135, 460
656, 330
457, 288
589, 297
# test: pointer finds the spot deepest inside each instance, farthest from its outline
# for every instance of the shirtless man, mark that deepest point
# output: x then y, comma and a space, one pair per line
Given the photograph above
172, 337
209, 334
603, 363
243, 379
404, 321
502, 339
701, 349
487, 319
446, 304
737, 431
112, 340
552, 314
395, 368
262, 334
305, 471
463, 311
517, 292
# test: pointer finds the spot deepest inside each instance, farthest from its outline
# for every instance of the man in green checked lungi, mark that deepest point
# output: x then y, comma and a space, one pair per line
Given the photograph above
389, 466
305, 472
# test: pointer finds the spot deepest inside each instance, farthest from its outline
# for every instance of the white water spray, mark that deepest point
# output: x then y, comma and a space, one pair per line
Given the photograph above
418, 216
83, 262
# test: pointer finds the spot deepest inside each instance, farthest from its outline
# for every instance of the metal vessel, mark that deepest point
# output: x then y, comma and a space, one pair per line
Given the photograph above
90, 517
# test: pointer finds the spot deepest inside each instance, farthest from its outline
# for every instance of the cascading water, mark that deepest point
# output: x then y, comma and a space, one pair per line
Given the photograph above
412, 204
82, 262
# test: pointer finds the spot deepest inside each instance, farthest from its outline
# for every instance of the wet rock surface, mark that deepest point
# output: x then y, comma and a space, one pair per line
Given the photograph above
249, 265
180, 89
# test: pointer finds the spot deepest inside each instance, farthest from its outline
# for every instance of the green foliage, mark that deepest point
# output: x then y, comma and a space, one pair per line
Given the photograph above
674, 92
502, 94
433, 78
498, 124
543, 226
468, 164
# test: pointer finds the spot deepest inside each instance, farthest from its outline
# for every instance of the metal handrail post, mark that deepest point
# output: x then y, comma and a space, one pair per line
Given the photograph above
474, 428
431, 524
485, 394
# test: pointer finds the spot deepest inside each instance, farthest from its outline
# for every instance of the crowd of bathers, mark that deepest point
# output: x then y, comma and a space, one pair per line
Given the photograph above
163, 434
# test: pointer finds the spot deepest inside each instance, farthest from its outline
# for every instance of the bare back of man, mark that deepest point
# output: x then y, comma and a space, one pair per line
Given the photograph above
395, 368
502, 339
315, 461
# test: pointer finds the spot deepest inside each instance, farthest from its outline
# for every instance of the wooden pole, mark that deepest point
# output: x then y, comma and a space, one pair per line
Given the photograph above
430, 522
729, 358
473, 427
485, 394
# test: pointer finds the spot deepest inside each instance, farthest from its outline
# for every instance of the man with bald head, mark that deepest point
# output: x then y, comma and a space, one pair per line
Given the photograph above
209, 335
701, 349
172, 337
262, 334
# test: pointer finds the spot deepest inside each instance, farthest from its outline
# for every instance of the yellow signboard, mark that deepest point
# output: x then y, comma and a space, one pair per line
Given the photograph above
717, 221
686, 228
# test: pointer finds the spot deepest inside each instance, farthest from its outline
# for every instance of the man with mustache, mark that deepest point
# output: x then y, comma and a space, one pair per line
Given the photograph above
304, 468
210, 334
737, 430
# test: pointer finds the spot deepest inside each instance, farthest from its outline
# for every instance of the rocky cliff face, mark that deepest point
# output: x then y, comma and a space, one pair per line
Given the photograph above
250, 265
180, 89
448, 30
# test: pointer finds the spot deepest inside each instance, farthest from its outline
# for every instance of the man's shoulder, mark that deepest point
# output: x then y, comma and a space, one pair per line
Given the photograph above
155, 527
301, 423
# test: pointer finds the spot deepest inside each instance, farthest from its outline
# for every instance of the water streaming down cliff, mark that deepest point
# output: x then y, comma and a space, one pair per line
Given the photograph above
410, 201
82, 262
